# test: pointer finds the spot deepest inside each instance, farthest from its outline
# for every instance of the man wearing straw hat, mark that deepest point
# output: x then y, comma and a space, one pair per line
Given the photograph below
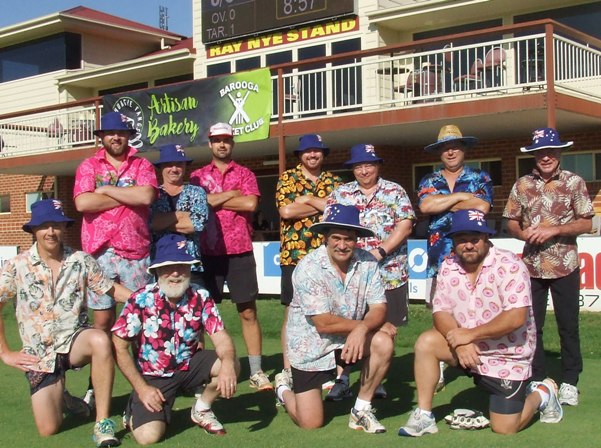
48, 283
179, 207
483, 324
337, 317
455, 186
163, 322
548, 209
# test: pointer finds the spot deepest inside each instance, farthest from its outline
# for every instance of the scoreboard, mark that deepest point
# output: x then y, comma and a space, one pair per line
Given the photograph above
230, 19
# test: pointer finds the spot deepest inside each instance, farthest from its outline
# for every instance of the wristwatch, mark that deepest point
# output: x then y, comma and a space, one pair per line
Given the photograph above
381, 251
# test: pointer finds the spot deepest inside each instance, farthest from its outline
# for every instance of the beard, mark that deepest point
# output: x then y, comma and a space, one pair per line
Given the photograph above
174, 290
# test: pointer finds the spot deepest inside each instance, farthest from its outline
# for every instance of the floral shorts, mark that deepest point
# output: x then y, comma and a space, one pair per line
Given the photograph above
130, 273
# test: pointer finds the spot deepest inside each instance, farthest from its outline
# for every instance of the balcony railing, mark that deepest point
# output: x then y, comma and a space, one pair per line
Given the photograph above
541, 56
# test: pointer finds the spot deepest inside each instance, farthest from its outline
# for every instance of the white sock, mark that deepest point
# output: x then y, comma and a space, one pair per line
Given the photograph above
426, 413
201, 406
361, 405
544, 396
280, 391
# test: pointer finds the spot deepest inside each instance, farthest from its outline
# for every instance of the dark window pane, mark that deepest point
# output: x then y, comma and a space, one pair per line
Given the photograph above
493, 167
525, 166
419, 172
127, 88
174, 79
219, 69
248, 64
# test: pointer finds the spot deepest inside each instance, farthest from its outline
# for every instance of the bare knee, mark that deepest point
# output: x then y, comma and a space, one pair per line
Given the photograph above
503, 429
309, 421
149, 433
248, 312
46, 429
382, 345
427, 342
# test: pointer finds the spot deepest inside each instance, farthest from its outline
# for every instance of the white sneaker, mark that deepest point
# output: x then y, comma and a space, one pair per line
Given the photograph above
90, 399
418, 425
552, 412
568, 394
366, 421
282, 379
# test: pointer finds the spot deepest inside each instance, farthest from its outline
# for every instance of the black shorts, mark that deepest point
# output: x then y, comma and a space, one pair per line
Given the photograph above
240, 273
198, 373
506, 396
286, 289
305, 380
397, 305
39, 380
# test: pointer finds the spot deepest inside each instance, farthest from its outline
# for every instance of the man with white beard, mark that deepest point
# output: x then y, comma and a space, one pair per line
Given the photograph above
163, 323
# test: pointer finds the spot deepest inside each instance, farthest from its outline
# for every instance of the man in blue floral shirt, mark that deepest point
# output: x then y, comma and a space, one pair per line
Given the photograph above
179, 208
164, 322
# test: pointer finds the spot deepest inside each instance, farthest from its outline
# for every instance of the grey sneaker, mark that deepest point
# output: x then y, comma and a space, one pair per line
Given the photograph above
340, 391
282, 379
552, 412
207, 421
104, 433
260, 381
418, 425
568, 394
76, 406
366, 421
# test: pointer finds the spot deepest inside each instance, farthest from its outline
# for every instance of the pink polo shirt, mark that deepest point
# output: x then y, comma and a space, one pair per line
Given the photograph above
502, 284
123, 228
226, 232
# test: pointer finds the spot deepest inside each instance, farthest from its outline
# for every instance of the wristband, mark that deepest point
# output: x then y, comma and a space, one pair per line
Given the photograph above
381, 251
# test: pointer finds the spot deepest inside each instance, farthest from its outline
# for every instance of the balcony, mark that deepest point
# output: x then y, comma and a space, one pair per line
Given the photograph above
512, 78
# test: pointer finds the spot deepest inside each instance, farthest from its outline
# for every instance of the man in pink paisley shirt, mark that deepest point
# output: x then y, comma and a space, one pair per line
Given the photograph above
226, 243
483, 323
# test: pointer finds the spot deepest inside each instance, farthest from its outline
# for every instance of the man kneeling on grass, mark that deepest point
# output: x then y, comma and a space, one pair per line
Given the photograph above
337, 317
164, 322
48, 283
483, 322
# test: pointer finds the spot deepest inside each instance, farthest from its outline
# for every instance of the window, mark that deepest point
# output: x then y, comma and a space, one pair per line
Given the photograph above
586, 164
127, 88
248, 63
4, 203
36, 196
347, 81
223, 68
58, 52
492, 167
174, 79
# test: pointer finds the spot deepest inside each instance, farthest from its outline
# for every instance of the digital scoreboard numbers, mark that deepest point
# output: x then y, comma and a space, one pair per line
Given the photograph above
229, 19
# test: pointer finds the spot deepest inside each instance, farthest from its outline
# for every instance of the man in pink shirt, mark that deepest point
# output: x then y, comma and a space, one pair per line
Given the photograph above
226, 243
483, 323
114, 189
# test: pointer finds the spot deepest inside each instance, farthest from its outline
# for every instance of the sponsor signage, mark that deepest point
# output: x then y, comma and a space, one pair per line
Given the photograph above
182, 113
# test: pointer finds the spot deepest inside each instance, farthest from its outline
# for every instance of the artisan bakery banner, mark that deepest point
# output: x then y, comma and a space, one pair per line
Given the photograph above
182, 113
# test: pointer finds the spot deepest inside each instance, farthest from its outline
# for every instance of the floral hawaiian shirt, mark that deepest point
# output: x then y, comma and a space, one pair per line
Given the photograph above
318, 289
389, 205
502, 284
166, 335
192, 199
227, 232
471, 180
560, 201
295, 238
123, 228
50, 311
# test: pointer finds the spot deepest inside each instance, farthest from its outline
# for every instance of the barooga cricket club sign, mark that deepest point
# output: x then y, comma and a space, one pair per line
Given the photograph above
182, 113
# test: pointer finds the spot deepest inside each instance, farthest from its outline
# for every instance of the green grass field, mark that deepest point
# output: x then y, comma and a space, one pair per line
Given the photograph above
252, 420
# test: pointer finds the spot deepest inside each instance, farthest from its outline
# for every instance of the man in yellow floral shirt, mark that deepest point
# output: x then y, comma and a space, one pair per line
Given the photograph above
301, 195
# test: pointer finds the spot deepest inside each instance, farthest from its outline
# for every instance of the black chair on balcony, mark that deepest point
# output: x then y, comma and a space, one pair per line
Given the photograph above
494, 67
471, 80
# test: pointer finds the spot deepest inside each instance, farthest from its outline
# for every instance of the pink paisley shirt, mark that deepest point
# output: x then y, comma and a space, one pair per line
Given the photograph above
503, 284
123, 228
226, 232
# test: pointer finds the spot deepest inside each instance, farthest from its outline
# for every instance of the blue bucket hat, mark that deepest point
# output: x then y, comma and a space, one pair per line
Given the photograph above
172, 153
545, 138
450, 133
171, 249
311, 141
46, 210
341, 217
363, 153
115, 121
469, 221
